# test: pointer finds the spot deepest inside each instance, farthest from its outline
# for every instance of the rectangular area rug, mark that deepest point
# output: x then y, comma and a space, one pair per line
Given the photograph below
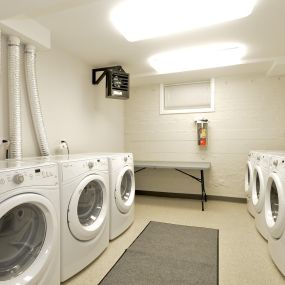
169, 254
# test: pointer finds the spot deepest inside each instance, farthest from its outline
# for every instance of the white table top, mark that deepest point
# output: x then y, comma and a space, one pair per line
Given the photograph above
200, 165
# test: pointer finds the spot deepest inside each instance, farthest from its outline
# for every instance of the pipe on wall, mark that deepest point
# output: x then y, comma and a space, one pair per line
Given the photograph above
34, 99
15, 124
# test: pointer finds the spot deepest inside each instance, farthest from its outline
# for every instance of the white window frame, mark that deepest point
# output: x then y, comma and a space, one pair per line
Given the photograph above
188, 110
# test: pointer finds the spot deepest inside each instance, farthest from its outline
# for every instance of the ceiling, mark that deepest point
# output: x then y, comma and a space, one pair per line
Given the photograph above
83, 28
14, 8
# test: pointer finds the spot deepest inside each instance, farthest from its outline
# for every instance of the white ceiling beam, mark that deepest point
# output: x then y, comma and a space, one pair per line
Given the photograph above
28, 30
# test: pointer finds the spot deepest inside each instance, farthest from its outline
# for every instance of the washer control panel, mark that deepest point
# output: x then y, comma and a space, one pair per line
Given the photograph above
29, 177
128, 158
265, 161
277, 163
75, 168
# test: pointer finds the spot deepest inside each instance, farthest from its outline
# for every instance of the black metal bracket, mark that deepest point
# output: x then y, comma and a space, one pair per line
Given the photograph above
105, 70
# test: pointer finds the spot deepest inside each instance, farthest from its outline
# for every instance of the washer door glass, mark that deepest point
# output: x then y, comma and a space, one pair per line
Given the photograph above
274, 201
257, 187
90, 203
88, 208
125, 189
248, 179
126, 186
22, 235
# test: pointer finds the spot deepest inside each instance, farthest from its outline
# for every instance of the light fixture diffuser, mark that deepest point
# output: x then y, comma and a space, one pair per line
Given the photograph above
145, 19
203, 57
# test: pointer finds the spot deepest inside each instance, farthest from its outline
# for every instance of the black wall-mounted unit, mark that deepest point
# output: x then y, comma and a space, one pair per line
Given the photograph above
117, 81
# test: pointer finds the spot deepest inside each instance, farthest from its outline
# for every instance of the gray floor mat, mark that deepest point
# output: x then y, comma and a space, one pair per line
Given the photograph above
169, 254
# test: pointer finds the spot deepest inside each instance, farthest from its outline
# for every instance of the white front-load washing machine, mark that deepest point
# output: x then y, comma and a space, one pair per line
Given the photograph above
260, 176
84, 185
122, 193
29, 223
249, 180
275, 210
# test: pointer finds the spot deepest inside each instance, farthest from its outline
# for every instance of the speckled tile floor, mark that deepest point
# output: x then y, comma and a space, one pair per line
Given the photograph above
244, 257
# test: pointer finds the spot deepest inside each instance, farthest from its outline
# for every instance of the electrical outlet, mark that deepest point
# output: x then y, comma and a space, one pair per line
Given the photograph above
4, 145
4, 142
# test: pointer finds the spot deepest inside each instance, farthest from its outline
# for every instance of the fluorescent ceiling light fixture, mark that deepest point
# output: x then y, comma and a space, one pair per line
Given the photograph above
203, 57
145, 19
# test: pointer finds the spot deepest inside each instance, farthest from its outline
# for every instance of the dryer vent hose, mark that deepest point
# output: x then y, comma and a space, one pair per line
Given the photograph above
15, 128
34, 99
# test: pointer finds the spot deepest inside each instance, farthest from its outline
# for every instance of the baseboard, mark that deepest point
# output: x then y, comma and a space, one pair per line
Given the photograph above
190, 196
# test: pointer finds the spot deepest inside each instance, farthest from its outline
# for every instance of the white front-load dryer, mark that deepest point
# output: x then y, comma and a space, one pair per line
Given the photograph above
122, 189
260, 176
84, 184
275, 211
249, 180
29, 223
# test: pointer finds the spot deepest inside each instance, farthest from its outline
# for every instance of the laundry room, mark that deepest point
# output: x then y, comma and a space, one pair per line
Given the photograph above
142, 142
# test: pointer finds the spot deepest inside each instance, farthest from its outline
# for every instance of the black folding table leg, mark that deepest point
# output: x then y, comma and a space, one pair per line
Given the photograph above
201, 181
203, 194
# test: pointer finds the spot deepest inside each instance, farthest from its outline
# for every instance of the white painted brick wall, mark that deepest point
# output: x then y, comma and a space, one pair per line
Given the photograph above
250, 114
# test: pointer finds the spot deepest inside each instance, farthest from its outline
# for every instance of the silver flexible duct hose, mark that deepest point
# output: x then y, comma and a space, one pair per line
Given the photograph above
34, 99
15, 127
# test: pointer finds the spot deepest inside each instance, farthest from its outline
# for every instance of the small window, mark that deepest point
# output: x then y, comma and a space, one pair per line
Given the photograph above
191, 97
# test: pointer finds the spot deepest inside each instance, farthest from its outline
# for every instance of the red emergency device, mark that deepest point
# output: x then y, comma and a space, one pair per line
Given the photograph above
202, 131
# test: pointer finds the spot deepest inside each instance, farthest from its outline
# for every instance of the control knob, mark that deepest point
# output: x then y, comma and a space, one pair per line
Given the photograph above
90, 164
18, 178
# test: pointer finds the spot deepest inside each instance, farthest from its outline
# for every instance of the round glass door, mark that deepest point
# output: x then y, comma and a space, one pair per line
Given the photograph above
274, 201
28, 234
88, 208
22, 235
125, 190
126, 186
257, 186
274, 206
90, 203
258, 189
248, 179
